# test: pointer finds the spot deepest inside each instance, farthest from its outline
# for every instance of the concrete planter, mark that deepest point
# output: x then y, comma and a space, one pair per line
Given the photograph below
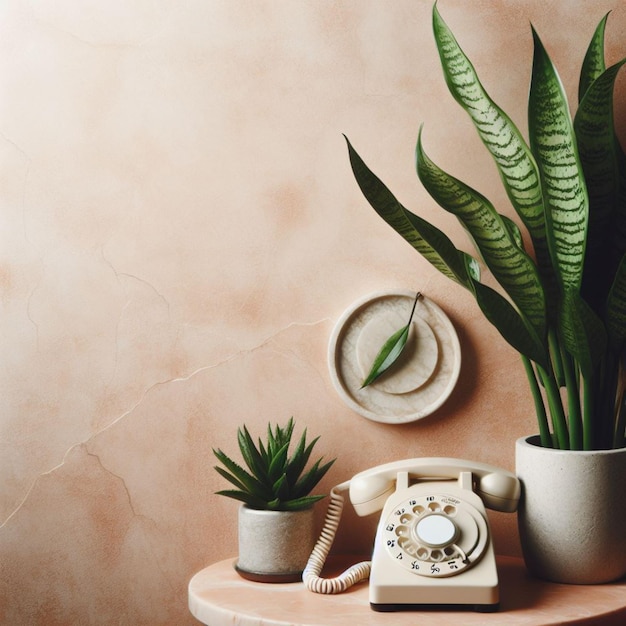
274, 546
572, 514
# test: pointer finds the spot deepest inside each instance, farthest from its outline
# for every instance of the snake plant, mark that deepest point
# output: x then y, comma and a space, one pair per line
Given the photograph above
274, 480
561, 304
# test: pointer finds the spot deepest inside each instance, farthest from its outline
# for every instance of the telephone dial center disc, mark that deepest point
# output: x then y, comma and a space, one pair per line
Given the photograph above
435, 535
436, 531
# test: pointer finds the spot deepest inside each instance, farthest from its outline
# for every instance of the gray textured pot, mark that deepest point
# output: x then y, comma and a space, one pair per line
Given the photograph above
274, 546
572, 513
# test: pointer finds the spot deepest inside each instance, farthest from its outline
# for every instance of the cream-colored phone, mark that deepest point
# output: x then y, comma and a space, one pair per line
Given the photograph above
432, 546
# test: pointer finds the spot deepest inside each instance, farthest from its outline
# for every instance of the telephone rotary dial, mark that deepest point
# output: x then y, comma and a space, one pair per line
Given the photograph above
435, 535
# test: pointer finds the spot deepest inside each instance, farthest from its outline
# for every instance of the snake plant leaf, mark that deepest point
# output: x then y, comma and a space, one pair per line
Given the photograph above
599, 156
582, 331
513, 157
514, 231
553, 143
471, 266
510, 265
434, 235
428, 240
437, 248
616, 308
513, 328
391, 349
604, 165
595, 134
593, 63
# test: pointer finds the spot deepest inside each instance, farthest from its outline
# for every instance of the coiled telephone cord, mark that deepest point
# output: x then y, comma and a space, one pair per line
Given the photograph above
311, 574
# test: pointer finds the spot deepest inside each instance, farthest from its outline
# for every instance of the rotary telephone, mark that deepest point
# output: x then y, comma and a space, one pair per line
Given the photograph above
432, 545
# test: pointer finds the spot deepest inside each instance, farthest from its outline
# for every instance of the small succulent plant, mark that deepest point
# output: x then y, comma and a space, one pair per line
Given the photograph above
274, 480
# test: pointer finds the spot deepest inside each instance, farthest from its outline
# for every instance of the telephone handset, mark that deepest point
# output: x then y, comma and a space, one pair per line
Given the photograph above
432, 544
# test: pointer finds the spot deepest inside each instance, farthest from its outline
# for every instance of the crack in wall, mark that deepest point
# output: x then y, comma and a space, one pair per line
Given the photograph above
138, 516
29, 314
143, 396
124, 485
140, 280
16, 146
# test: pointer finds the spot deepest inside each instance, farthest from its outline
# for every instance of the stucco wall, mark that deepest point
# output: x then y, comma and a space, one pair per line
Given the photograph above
180, 233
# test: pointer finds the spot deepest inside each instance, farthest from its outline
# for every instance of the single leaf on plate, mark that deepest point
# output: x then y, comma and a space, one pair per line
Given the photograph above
391, 350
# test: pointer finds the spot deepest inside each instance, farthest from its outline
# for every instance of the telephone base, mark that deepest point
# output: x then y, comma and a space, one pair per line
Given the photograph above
478, 608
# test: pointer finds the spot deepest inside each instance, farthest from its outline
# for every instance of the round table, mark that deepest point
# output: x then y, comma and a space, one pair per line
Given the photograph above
219, 596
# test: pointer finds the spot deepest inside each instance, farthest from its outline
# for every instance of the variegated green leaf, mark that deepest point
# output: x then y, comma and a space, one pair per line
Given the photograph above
429, 241
595, 135
518, 333
582, 332
502, 138
511, 266
441, 252
514, 231
593, 63
599, 157
554, 147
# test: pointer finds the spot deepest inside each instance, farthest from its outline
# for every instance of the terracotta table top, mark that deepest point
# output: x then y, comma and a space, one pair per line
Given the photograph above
218, 596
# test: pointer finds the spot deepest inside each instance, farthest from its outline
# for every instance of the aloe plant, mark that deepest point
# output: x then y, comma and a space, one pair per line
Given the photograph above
563, 305
274, 480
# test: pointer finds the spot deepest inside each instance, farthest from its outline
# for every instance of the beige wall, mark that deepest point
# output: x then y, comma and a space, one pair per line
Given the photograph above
180, 232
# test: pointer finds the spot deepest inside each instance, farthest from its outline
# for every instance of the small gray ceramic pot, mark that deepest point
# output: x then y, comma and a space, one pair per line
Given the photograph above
274, 546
